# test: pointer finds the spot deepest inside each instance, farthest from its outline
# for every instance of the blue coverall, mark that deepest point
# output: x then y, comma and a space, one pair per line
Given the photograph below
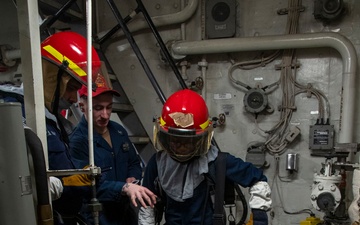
192, 211
70, 202
117, 163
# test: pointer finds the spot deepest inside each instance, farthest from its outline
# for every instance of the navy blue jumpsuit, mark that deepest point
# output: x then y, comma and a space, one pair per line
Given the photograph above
191, 210
117, 163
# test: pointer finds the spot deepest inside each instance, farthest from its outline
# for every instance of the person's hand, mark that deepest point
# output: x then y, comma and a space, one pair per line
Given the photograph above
260, 196
140, 193
77, 180
56, 188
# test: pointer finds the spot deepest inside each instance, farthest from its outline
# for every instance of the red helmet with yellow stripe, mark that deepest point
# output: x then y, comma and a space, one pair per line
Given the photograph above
68, 49
184, 129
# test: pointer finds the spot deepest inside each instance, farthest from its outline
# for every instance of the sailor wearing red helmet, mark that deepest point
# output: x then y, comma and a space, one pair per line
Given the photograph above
177, 171
64, 63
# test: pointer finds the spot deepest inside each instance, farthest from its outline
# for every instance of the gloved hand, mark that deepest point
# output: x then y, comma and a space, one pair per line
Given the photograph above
77, 180
260, 196
259, 217
354, 208
56, 188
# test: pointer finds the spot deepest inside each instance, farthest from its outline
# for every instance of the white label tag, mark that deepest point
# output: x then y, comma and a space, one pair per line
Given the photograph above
25, 183
222, 96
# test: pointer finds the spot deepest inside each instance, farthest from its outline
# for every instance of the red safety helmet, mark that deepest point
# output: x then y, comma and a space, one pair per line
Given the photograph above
184, 129
69, 49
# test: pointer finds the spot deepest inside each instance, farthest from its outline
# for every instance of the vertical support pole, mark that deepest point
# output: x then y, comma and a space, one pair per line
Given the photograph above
28, 19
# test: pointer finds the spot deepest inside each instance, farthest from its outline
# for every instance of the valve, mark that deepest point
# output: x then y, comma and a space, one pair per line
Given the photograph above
329, 10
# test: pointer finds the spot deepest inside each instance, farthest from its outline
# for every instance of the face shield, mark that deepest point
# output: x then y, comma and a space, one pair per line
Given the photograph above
79, 71
182, 144
55, 87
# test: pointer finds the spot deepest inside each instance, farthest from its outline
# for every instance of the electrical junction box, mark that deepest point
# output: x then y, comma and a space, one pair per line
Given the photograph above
321, 137
220, 17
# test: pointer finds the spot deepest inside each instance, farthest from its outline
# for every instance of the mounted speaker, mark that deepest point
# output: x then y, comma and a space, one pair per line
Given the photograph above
220, 17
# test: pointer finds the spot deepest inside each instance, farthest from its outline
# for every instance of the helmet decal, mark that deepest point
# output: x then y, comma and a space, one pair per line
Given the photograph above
182, 119
100, 82
56, 54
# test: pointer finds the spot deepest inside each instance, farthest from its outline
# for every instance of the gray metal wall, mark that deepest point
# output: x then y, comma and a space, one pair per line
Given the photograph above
320, 67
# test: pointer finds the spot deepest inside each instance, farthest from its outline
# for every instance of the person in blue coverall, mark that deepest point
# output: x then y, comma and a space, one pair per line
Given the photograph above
64, 63
115, 155
183, 136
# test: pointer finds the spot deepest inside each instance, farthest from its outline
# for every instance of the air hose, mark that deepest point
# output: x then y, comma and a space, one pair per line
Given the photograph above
42, 190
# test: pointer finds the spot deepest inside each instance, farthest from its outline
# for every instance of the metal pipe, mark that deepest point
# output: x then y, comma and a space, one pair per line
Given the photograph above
162, 20
12, 54
28, 21
182, 27
95, 204
293, 41
89, 81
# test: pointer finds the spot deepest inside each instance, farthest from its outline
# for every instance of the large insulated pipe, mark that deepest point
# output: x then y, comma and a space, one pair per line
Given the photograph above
293, 41
44, 212
162, 20
17, 202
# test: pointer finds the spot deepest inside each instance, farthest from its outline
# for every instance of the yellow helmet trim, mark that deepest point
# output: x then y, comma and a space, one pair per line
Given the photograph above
162, 122
205, 125
57, 55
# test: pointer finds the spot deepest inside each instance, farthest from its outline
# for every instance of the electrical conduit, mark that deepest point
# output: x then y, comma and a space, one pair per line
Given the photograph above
296, 41
293, 41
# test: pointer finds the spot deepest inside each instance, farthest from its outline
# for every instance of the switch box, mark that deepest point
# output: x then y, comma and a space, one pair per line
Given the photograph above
321, 137
220, 17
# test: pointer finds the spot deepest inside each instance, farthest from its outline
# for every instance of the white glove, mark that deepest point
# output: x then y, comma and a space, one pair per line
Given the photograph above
56, 188
146, 216
354, 211
260, 194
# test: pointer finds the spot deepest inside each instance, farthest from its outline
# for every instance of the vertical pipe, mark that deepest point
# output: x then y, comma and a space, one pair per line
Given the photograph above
89, 81
94, 200
182, 26
28, 20
16, 204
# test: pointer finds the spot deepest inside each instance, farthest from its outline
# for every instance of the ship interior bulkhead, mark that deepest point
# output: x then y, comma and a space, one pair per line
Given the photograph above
279, 78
